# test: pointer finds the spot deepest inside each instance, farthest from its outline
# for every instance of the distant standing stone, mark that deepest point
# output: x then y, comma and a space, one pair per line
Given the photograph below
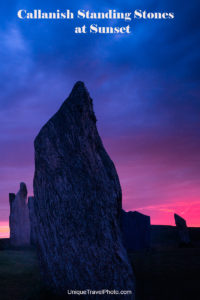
19, 218
136, 231
78, 204
32, 220
182, 230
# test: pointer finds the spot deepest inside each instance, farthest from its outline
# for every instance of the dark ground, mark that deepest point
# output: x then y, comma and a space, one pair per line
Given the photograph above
162, 273
167, 274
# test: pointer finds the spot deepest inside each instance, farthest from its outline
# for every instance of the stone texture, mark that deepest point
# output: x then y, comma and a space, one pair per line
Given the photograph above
11, 199
136, 231
19, 218
32, 220
182, 230
78, 203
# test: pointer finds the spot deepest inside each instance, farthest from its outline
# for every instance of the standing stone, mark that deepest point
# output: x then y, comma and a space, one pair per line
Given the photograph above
136, 231
182, 230
32, 220
11, 199
19, 218
78, 204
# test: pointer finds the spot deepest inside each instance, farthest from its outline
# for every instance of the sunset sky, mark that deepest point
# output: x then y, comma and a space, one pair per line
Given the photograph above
145, 88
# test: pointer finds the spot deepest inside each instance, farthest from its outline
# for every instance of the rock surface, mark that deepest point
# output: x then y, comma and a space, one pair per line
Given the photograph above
11, 199
78, 204
182, 230
136, 230
19, 218
32, 220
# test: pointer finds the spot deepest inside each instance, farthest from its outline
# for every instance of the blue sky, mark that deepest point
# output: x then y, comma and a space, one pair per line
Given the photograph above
145, 88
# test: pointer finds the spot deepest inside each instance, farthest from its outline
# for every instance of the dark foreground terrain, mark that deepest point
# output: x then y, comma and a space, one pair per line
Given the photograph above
172, 274
167, 274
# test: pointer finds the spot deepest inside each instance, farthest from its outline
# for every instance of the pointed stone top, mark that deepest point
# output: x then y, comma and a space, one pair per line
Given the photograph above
79, 85
75, 114
179, 221
78, 100
23, 189
79, 94
79, 103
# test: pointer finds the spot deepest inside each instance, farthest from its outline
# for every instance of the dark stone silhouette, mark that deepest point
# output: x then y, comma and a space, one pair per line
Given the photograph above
78, 203
19, 218
4, 244
136, 230
182, 230
163, 236
11, 199
32, 220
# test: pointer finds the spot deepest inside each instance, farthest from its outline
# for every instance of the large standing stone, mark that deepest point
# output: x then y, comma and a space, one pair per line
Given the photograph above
182, 230
32, 220
136, 230
19, 218
78, 203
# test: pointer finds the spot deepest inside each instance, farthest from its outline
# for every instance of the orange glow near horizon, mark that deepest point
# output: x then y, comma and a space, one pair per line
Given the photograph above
161, 214
4, 230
